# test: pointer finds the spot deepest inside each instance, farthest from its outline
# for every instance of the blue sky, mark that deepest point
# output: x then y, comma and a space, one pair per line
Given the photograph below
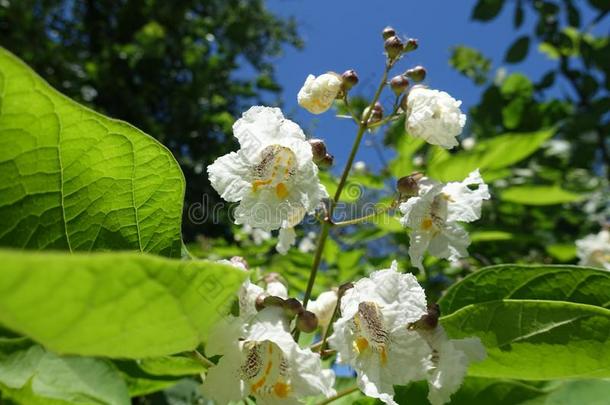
341, 35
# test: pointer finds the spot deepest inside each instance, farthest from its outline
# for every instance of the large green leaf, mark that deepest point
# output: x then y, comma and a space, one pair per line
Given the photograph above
114, 304
485, 391
489, 155
73, 179
31, 375
530, 282
536, 340
539, 195
406, 147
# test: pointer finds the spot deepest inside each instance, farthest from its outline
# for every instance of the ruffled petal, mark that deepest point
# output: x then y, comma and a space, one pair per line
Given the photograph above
222, 382
451, 243
286, 239
229, 175
465, 204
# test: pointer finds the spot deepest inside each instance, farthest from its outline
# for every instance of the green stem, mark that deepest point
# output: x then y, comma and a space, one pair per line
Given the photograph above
365, 218
339, 394
201, 358
362, 127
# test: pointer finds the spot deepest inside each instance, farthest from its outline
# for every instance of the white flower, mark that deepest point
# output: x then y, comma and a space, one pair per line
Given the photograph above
308, 243
286, 238
272, 175
260, 358
372, 335
257, 235
324, 307
432, 217
318, 93
448, 363
434, 116
594, 250
469, 143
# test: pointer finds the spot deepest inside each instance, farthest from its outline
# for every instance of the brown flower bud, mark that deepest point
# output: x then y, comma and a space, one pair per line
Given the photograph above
326, 161
393, 47
349, 79
307, 322
417, 74
407, 186
259, 303
318, 149
344, 287
273, 301
399, 84
292, 307
428, 321
388, 32
410, 45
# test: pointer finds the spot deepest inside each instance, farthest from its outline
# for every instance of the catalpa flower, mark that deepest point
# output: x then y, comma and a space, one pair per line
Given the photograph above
594, 250
432, 217
318, 93
448, 364
324, 307
372, 335
260, 359
272, 175
434, 116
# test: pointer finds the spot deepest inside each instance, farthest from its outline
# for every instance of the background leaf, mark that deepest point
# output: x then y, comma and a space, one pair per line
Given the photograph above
73, 179
518, 50
553, 283
114, 304
31, 375
539, 195
536, 340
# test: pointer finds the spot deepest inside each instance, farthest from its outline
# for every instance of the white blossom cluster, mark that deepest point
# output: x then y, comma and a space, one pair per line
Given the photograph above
382, 326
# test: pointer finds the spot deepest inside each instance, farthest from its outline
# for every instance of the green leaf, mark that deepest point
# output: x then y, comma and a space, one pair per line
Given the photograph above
486, 10
562, 252
584, 285
485, 391
536, 340
488, 155
157, 373
76, 180
31, 375
470, 63
490, 236
518, 50
124, 305
402, 164
539, 195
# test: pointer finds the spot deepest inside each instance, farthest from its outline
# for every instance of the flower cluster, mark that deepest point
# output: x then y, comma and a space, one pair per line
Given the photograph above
381, 325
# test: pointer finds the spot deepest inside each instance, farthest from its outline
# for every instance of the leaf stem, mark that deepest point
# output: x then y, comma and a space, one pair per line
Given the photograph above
201, 358
364, 218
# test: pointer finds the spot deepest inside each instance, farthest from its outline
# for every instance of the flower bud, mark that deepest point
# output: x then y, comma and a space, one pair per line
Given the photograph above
399, 84
428, 321
326, 161
259, 303
417, 74
407, 185
393, 47
344, 287
376, 113
239, 261
307, 322
272, 301
410, 45
349, 79
388, 32
292, 307
318, 149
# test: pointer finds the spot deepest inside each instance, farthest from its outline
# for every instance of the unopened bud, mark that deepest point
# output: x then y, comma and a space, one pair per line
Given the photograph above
399, 84
376, 113
349, 79
407, 185
388, 32
239, 261
326, 161
410, 45
259, 303
273, 301
393, 47
318, 149
307, 322
428, 321
344, 287
292, 307
417, 74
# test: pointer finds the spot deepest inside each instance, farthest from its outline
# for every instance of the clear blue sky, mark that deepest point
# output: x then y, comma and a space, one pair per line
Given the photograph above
341, 34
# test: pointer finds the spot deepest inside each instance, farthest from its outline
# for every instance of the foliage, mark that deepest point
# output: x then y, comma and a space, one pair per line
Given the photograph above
179, 70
